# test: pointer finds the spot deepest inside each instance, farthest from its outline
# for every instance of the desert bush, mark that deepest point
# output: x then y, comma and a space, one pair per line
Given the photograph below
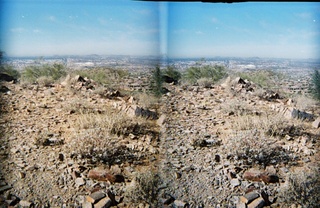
156, 82
79, 106
264, 123
205, 82
304, 102
238, 108
315, 84
172, 73
105, 76
264, 78
215, 73
302, 188
144, 188
147, 100
45, 81
8, 69
256, 136
53, 71
254, 149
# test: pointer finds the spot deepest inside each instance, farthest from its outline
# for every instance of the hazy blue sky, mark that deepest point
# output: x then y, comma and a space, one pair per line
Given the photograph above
181, 29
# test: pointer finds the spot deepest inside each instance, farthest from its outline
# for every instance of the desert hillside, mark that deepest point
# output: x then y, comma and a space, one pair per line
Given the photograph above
78, 143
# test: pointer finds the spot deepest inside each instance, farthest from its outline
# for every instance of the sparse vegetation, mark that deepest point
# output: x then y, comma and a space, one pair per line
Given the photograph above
55, 71
256, 137
267, 79
105, 76
255, 149
156, 82
302, 188
304, 102
8, 69
172, 73
76, 128
315, 84
148, 100
144, 188
212, 73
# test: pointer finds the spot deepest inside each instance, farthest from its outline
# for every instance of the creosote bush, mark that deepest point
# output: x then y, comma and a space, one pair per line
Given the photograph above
8, 69
172, 73
52, 71
315, 84
264, 78
144, 188
255, 139
213, 73
158, 77
302, 188
156, 82
105, 76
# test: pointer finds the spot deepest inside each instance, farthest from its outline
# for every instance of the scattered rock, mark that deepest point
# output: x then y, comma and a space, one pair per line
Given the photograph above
316, 123
96, 196
161, 120
235, 182
249, 197
80, 182
180, 204
86, 204
257, 203
301, 115
24, 203
103, 203
146, 113
5, 188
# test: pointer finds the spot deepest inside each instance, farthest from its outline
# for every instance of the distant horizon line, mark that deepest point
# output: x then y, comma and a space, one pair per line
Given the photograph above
158, 56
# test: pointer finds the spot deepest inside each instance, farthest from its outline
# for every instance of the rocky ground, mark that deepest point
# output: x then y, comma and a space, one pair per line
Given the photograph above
71, 145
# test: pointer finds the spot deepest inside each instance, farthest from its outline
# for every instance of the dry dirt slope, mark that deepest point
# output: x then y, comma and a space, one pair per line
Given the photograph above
59, 145
213, 137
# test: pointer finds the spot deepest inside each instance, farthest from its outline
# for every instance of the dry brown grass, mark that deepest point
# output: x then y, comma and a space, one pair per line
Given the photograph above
147, 100
105, 135
237, 108
143, 188
304, 102
255, 139
263, 123
302, 187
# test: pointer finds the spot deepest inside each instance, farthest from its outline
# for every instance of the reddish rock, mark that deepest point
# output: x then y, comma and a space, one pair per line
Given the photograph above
103, 175
258, 175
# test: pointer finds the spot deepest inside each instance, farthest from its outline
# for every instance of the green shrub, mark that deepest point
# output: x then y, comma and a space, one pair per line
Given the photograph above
172, 73
215, 73
156, 82
8, 69
264, 78
53, 71
106, 76
315, 84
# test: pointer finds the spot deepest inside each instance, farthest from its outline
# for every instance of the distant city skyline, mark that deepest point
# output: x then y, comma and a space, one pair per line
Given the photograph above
176, 29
